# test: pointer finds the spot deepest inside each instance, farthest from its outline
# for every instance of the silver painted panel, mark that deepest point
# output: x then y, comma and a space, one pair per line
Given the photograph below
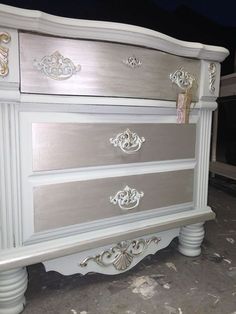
103, 69
72, 145
64, 204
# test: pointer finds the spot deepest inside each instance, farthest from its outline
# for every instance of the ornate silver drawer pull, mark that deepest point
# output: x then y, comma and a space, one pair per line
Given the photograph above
127, 199
56, 66
133, 62
129, 142
183, 79
121, 255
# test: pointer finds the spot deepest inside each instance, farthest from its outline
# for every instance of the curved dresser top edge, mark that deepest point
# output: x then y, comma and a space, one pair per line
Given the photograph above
33, 20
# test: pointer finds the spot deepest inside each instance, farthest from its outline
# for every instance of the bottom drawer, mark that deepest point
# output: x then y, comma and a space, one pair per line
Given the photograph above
64, 204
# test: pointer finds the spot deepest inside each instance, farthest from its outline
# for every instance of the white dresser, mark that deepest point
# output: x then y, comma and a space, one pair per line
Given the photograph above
96, 173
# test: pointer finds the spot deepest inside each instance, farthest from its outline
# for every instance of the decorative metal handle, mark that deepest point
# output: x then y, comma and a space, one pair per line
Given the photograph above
183, 79
132, 62
129, 142
127, 199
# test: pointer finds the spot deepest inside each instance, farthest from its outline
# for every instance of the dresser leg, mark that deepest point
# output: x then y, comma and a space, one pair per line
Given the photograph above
13, 284
190, 239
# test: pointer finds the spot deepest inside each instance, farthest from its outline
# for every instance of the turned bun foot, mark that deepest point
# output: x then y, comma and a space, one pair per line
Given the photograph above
190, 239
13, 284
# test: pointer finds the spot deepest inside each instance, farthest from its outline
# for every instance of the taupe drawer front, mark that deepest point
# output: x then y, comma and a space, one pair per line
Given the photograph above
65, 204
59, 146
51, 65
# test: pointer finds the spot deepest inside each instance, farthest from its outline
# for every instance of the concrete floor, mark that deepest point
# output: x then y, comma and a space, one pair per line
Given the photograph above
165, 283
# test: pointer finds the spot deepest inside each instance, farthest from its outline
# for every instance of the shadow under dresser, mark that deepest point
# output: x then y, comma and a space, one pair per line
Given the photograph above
98, 167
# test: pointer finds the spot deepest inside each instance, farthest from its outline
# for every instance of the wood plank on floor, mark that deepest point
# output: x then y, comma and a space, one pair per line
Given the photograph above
223, 169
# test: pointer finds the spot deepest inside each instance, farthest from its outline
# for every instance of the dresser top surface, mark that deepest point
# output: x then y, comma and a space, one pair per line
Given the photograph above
106, 31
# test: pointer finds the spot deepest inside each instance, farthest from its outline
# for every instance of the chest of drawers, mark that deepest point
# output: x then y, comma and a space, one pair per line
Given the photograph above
96, 173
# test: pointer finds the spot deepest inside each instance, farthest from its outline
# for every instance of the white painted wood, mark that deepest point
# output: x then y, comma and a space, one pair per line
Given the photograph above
190, 239
85, 174
35, 253
91, 173
108, 31
9, 85
214, 135
190, 234
27, 118
101, 224
10, 232
209, 81
78, 103
58, 146
70, 264
19, 244
13, 284
3, 195
111, 106
131, 117
79, 202
202, 156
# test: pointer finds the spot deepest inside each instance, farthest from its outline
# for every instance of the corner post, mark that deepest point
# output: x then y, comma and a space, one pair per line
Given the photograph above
191, 236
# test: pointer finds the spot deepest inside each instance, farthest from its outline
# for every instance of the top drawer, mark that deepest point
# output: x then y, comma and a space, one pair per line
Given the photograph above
51, 65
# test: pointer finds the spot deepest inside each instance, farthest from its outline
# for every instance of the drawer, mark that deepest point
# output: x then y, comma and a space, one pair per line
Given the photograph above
51, 65
64, 204
58, 146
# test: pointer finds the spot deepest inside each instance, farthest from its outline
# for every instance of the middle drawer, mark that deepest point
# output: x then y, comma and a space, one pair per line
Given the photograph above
58, 146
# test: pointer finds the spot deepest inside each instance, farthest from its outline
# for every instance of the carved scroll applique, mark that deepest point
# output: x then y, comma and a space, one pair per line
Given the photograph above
121, 255
4, 38
212, 77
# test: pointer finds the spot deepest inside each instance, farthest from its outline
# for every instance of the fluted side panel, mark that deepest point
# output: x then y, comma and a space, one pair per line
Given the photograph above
9, 185
202, 155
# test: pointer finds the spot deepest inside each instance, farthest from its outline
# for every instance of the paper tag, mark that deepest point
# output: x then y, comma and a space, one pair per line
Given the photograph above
183, 107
